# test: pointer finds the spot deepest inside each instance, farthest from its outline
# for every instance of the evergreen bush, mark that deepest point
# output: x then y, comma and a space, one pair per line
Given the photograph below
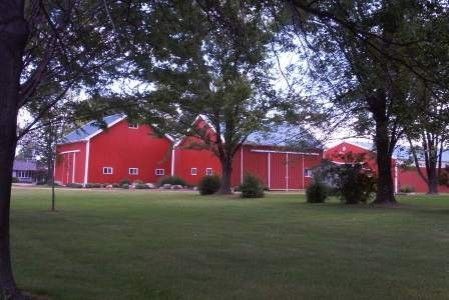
251, 187
317, 192
209, 185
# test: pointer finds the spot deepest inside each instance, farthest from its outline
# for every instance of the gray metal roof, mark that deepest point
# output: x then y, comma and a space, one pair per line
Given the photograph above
284, 135
24, 165
90, 128
400, 152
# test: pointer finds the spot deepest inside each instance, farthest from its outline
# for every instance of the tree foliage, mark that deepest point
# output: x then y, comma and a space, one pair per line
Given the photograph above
370, 55
209, 58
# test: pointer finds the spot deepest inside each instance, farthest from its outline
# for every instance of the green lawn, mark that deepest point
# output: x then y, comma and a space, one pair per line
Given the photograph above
149, 245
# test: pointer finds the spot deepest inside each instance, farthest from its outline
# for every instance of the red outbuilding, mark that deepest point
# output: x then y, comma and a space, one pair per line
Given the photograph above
403, 176
122, 150
348, 152
265, 155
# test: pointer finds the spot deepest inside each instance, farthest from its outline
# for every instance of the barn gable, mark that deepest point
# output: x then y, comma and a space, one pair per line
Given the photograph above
91, 129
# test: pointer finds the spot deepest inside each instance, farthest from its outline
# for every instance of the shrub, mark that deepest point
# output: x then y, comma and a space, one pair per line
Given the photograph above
352, 182
125, 181
116, 185
251, 187
209, 185
74, 185
93, 185
407, 189
125, 186
141, 186
355, 184
173, 180
317, 192
138, 181
15, 180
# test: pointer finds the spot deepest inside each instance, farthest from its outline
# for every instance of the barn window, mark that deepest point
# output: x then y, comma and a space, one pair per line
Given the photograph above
108, 170
133, 125
133, 171
307, 173
193, 171
209, 172
160, 172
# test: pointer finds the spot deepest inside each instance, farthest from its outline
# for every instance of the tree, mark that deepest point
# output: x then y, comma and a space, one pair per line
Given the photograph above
428, 134
207, 57
46, 49
368, 54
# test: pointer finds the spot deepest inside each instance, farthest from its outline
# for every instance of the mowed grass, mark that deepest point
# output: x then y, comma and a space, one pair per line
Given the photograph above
174, 245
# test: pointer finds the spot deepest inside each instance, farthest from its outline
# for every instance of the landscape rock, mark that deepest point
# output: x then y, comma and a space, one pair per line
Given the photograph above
151, 185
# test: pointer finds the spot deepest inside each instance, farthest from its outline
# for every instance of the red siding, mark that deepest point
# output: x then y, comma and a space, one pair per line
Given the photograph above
346, 152
255, 163
260, 163
121, 148
411, 178
191, 154
349, 153
70, 161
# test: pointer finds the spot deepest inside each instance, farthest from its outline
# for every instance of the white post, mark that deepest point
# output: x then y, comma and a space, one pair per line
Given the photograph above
286, 171
241, 163
86, 163
173, 153
395, 177
73, 166
303, 173
269, 170
67, 173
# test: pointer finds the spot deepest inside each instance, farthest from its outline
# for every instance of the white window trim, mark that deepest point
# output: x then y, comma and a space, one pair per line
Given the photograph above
307, 173
106, 173
133, 125
209, 172
159, 172
131, 173
193, 171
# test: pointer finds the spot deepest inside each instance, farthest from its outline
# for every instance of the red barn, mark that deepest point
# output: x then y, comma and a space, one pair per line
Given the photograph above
121, 151
402, 176
345, 152
265, 155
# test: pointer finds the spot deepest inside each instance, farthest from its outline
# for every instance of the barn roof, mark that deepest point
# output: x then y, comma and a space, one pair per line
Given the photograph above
284, 135
90, 128
400, 152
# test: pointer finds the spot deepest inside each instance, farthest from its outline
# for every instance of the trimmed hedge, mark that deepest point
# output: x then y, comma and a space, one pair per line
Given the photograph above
74, 185
125, 181
173, 180
93, 185
141, 186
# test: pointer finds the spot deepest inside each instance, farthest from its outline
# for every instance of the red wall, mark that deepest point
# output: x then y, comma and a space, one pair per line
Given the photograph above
66, 163
121, 148
346, 152
411, 178
286, 171
191, 154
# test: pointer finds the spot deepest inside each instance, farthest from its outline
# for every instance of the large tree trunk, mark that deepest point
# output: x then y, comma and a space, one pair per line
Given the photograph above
226, 166
432, 179
385, 187
13, 36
